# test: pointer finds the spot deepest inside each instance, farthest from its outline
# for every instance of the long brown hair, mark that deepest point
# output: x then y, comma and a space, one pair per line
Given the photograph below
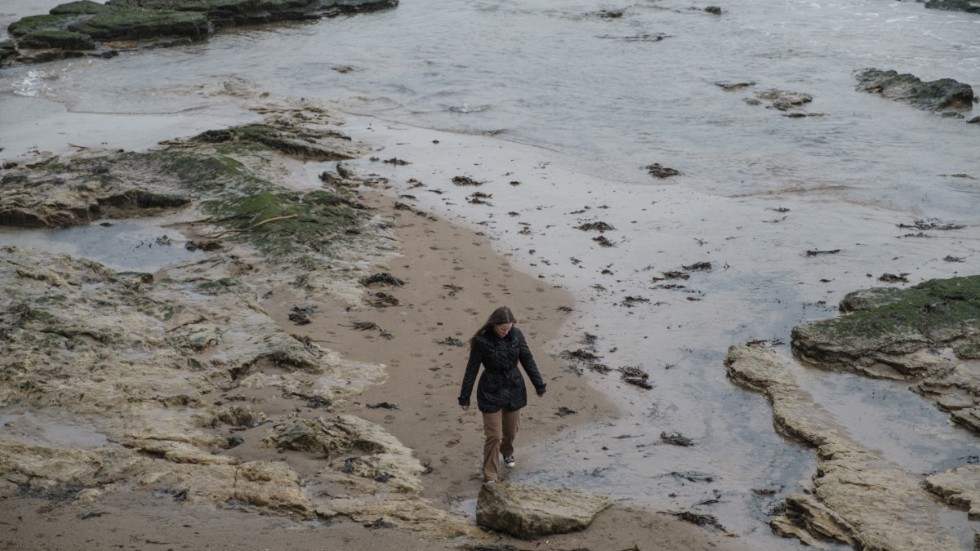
499, 316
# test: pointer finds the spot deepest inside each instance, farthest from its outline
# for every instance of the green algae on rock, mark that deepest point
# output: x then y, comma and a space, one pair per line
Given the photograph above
219, 172
893, 324
89, 28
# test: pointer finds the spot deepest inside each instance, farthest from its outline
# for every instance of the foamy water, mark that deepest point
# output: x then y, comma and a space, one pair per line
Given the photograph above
574, 104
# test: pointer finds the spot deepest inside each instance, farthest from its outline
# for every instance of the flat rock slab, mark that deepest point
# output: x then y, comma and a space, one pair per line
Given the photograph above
960, 487
529, 512
857, 497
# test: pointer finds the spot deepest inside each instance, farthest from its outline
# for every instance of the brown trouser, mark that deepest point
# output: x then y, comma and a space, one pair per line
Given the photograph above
500, 429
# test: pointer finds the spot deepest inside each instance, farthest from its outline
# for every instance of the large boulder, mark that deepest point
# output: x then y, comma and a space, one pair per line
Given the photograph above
528, 512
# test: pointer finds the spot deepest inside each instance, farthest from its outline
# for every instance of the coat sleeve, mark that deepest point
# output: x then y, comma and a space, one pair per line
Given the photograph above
531, 368
472, 368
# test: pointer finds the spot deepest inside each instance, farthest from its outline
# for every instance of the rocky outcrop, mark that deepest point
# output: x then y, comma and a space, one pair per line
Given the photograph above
960, 487
354, 447
89, 28
209, 169
120, 381
857, 496
529, 512
928, 334
945, 95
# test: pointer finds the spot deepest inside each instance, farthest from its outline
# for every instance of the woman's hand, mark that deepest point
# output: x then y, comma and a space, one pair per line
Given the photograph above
465, 408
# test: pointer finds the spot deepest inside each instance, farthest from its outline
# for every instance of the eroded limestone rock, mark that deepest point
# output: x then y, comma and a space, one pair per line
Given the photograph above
117, 381
528, 512
858, 498
379, 455
928, 334
960, 487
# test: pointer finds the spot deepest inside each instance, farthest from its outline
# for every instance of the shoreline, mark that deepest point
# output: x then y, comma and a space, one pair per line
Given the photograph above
434, 254
454, 480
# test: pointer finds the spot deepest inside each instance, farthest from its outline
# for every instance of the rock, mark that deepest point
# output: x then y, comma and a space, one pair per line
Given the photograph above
134, 382
866, 299
784, 100
289, 140
62, 40
970, 6
528, 512
918, 334
957, 392
960, 487
354, 446
937, 95
856, 494
142, 24
407, 512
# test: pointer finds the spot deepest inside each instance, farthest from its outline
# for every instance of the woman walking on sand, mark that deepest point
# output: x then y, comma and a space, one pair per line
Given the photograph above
501, 394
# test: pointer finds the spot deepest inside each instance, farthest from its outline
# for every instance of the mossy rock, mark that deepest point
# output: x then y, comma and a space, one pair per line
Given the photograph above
63, 40
294, 143
281, 223
238, 6
243, 202
137, 24
232, 11
937, 312
82, 7
34, 23
970, 6
8, 51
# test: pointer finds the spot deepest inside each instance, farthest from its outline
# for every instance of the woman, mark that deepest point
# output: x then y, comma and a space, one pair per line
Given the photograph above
501, 394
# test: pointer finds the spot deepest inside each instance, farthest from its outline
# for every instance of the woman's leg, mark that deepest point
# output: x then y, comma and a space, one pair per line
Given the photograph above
511, 422
493, 433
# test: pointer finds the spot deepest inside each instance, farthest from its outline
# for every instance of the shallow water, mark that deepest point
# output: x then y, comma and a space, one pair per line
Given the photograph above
51, 429
574, 105
138, 245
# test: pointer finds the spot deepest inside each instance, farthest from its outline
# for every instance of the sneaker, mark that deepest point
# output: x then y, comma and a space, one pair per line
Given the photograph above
510, 461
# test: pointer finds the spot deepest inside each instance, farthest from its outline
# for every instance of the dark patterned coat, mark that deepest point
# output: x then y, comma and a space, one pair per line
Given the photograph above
502, 384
